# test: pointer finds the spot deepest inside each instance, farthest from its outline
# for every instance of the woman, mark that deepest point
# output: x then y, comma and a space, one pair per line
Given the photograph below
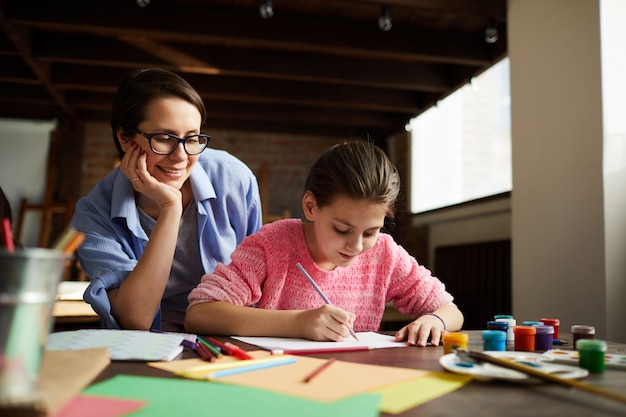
168, 214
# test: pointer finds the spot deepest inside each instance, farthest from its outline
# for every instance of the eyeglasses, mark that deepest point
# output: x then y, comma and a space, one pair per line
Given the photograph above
166, 143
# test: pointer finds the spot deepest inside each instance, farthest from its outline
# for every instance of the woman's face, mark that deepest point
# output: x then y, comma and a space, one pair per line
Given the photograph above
342, 230
178, 117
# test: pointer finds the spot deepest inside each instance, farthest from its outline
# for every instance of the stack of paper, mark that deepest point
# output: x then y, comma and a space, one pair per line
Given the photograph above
123, 345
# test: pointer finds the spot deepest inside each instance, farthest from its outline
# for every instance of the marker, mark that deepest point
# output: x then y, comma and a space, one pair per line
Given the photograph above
204, 353
559, 342
8, 235
231, 349
319, 291
214, 350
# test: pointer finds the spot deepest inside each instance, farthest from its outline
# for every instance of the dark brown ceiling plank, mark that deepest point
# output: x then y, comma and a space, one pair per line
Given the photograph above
210, 60
495, 9
20, 36
255, 126
207, 26
93, 79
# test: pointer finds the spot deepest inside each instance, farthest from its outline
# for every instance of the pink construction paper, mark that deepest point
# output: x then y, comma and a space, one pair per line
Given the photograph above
92, 406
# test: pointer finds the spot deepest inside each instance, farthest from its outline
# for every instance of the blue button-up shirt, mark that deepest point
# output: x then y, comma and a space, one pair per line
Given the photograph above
229, 209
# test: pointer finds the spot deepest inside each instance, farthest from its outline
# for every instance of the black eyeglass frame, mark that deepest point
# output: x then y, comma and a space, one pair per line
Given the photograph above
179, 140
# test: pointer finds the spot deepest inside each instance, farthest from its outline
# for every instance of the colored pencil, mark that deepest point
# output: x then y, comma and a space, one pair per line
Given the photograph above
319, 291
200, 370
319, 370
248, 368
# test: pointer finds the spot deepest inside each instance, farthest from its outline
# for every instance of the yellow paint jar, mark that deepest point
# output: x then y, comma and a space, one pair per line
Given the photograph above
453, 340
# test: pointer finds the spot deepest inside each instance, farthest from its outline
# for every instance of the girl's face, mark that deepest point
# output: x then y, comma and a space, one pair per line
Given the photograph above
343, 230
169, 115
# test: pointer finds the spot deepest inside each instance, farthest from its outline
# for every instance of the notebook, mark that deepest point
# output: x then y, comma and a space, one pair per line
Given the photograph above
123, 345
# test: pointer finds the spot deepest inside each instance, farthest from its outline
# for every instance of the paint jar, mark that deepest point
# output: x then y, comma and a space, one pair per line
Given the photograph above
525, 338
591, 354
532, 323
498, 325
510, 334
543, 337
554, 323
494, 340
452, 340
581, 331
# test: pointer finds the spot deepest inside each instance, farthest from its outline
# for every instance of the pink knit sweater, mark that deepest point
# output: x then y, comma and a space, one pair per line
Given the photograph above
263, 273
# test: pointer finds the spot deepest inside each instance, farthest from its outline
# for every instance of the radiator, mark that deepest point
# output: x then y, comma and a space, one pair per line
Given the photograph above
478, 275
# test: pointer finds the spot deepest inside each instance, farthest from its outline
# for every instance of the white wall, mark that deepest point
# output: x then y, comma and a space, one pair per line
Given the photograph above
23, 164
564, 261
613, 33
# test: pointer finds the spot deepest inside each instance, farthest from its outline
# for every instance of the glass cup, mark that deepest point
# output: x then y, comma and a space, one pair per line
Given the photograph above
29, 279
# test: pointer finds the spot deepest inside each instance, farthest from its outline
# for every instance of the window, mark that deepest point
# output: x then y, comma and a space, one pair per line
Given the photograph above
461, 148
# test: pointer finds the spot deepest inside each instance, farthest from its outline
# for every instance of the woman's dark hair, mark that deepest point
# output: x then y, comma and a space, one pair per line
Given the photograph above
139, 89
356, 169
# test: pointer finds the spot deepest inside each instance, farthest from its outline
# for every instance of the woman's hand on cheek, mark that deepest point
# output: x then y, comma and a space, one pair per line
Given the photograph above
134, 165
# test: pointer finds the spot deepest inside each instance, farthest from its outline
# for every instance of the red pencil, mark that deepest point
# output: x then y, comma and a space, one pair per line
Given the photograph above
320, 369
319, 351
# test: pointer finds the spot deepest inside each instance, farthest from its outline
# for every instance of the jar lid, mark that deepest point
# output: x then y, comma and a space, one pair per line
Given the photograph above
502, 316
532, 323
498, 325
544, 329
591, 345
525, 330
455, 337
550, 321
581, 328
494, 335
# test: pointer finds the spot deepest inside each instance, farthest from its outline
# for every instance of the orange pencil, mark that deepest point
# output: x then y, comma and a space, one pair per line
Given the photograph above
319, 370
74, 243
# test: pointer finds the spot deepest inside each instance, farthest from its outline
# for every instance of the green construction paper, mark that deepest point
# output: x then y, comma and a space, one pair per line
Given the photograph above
179, 397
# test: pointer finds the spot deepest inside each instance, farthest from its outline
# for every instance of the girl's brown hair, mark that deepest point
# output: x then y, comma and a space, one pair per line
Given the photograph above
356, 169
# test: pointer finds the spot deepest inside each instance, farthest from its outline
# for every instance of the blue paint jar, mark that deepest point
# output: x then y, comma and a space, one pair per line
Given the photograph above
494, 340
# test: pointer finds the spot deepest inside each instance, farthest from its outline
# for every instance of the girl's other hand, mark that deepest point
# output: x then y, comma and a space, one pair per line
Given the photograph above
418, 332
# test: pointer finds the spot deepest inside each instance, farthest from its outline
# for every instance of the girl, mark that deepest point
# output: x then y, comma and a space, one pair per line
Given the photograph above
348, 194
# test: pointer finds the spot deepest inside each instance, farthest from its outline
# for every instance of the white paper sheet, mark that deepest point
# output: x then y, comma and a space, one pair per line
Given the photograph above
371, 340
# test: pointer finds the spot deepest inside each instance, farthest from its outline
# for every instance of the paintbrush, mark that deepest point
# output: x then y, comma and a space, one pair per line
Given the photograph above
529, 370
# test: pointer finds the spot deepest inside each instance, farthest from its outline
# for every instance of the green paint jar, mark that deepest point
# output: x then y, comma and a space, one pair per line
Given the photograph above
591, 354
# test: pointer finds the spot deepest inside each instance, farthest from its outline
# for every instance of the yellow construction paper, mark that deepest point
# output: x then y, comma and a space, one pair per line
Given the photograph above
406, 395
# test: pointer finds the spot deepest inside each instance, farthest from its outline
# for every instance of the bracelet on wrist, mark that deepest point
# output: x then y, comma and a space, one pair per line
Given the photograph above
440, 319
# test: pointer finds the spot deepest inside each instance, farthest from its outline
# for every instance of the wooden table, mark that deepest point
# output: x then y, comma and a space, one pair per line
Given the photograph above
485, 399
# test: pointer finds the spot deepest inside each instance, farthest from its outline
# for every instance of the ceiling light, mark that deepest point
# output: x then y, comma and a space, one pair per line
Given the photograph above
384, 21
265, 10
491, 33
142, 3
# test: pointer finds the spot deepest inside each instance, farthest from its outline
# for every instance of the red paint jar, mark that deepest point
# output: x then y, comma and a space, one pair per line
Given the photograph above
525, 338
554, 323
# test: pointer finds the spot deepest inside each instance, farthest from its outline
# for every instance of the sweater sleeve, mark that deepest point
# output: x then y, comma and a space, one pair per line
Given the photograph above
413, 290
239, 282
